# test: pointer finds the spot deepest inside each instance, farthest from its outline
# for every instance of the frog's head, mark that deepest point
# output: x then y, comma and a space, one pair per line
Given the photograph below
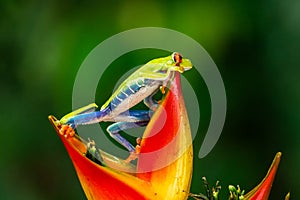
174, 62
177, 63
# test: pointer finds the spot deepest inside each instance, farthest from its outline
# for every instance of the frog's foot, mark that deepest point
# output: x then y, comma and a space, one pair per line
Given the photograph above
159, 102
138, 140
163, 89
67, 131
138, 145
133, 156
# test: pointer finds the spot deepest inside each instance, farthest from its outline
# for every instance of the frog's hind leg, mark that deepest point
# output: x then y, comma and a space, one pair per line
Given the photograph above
84, 110
140, 118
115, 128
86, 118
82, 116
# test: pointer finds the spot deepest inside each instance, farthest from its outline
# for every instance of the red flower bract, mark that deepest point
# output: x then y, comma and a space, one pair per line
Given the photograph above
262, 191
164, 167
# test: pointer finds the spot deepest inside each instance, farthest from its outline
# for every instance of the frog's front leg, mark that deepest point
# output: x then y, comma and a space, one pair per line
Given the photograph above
135, 119
82, 116
150, 102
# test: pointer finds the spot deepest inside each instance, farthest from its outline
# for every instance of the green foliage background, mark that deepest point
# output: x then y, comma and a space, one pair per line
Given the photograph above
255, 44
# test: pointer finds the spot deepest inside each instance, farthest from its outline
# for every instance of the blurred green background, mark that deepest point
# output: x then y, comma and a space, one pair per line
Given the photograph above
255, 44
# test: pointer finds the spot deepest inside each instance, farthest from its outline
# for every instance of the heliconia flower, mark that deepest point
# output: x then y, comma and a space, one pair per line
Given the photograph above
262, 191
164, 165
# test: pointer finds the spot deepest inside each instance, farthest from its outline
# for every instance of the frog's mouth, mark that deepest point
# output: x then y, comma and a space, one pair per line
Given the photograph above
186, 64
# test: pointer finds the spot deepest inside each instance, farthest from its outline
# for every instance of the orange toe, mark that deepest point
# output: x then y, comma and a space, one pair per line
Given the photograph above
67, 131
133, 155
138, 140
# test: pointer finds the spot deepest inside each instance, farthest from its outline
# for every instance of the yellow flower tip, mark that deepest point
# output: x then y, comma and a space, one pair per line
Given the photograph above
53, 120
287, 197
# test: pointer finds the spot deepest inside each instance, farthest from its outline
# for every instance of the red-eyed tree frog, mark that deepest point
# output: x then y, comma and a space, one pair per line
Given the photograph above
139, 86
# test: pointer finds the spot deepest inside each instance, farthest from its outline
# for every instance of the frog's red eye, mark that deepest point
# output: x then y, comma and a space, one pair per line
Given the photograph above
177, 58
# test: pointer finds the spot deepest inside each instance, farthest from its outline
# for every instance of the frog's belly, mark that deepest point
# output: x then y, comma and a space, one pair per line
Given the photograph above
130, 101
